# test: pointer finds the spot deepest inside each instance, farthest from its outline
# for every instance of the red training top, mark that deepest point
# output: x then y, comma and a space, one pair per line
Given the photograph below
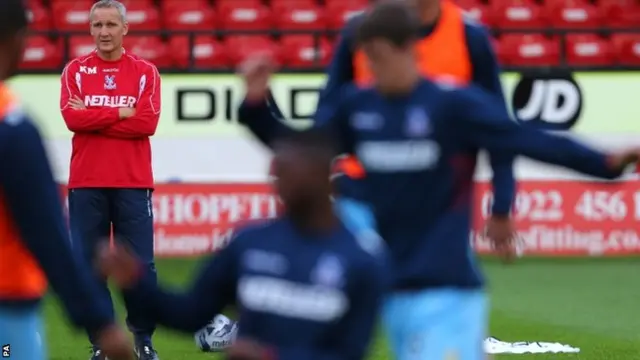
108, 151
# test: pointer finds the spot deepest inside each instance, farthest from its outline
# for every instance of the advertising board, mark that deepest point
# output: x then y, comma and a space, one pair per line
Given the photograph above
223, 171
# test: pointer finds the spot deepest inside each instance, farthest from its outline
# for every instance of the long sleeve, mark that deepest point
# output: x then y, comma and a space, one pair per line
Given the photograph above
85, 120
352, 334
189, 311
486, 74
487, 125
33, 199
145, 122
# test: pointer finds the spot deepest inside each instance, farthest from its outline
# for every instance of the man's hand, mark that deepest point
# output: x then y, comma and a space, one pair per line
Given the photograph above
126, 112
115, 343
76, 103
256, 72
120, 265
501, 232
622, 159
246, 349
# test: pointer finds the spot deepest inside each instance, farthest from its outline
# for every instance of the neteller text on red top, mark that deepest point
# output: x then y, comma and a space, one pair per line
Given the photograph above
108, 151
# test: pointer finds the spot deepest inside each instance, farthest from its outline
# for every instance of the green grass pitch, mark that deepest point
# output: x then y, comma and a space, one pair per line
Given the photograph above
592, 304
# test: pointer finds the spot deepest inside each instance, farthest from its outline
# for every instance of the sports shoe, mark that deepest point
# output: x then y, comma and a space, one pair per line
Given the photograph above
146, 352
96, 354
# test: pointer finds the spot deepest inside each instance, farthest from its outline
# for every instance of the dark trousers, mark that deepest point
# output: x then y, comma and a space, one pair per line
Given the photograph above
92, 213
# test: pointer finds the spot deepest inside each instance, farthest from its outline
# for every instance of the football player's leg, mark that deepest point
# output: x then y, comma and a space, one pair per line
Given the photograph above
90, 225
133, 227
21, 333
437, 324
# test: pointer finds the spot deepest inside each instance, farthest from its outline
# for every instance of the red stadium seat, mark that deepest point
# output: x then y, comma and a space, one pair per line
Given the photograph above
71, 15
239, 15
240, 47
588, 50
207, 52
621, 13
189, 16
338, 3
627, 48
39, 17
477, 10
150, 48
519, 14
143, 16
287, 4
340, 13
300, 17
80, 46
301, 51
529, 50
40, 53
573, 14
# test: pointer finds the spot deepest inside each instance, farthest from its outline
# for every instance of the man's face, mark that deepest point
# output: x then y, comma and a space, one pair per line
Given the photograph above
387, 60
108, 29
299, 178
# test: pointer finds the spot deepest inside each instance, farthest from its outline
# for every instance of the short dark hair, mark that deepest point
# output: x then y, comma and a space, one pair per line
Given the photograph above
13, 18
393, 21
316, 140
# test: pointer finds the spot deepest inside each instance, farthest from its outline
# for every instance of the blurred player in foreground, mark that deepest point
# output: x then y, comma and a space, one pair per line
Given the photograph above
450, 46
34, 241
110, 100
305, 287
409, 134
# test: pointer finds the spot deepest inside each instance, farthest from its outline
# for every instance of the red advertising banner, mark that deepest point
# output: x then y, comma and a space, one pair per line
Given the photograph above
554, 218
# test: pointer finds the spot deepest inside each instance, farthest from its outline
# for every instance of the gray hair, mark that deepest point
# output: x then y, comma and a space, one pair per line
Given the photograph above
110, 4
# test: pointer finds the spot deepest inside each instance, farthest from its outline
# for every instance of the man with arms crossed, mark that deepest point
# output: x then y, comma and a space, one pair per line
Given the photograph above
110, 100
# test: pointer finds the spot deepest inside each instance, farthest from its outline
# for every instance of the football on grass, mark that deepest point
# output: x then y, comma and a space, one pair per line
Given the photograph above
218, 335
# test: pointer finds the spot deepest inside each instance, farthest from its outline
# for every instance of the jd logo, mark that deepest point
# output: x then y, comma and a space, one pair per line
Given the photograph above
552, 103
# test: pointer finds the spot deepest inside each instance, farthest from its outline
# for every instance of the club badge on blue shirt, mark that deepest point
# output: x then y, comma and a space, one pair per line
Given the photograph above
328, 272
109, 82
417, 123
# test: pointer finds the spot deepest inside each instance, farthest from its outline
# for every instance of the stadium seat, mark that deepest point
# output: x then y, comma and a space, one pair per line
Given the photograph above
529, 50
518, 14
287, 4
80, 46
188, 15
588, 50
207, 52
240, 15
300, 17
150, 48
39, 17
71, 15
241, 46
301, 51
143, 16
339, 13
620, 13
40, 54
627, 49
573, 14
477, 10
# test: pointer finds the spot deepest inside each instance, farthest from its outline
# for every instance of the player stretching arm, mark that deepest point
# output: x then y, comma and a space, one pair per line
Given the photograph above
460, 51
410, 135
304, 286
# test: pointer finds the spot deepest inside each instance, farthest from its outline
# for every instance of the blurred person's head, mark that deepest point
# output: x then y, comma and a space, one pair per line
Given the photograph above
302, 166
428, 10
13, 34
108, 20
387, 36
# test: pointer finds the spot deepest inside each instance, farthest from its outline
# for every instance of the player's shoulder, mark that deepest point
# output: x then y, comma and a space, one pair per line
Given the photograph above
365, 246
83, 60
348, 31
139, 62
476, 32
256, 230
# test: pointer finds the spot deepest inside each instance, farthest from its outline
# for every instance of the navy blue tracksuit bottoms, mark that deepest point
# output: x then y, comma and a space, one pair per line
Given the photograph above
92, 213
